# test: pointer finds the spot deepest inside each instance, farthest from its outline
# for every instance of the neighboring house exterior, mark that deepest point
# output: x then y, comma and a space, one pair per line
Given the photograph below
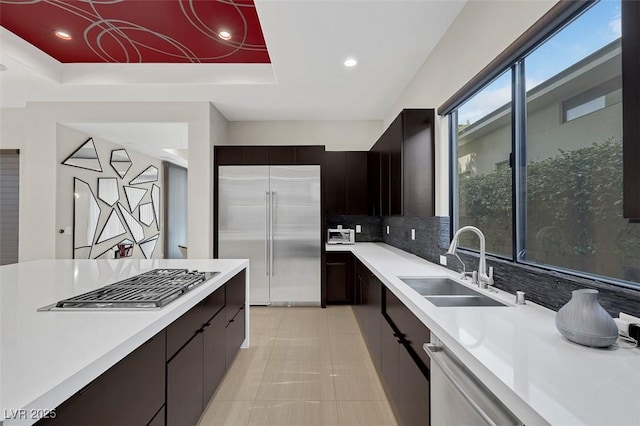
581, 117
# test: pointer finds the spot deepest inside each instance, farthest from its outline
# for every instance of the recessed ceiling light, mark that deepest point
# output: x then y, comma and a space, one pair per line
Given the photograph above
225, 35
62, 35
350, 62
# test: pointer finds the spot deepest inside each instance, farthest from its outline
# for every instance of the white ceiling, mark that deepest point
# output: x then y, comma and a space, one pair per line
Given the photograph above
308, 41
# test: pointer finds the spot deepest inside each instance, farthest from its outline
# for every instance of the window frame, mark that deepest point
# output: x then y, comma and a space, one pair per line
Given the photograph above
513, 58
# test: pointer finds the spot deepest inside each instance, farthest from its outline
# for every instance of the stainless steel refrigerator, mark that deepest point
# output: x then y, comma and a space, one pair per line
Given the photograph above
271, 215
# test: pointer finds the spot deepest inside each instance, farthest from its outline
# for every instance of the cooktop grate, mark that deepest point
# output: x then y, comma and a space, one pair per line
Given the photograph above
150, 290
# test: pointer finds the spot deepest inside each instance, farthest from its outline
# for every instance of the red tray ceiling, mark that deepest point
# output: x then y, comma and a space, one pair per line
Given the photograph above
133, 31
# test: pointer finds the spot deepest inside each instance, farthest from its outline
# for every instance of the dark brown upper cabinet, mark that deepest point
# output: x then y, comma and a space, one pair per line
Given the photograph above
631, 108
235, 155
345, 182
402, 167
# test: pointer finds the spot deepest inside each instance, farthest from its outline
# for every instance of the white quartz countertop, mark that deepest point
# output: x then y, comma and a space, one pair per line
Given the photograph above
46, 357
517, 352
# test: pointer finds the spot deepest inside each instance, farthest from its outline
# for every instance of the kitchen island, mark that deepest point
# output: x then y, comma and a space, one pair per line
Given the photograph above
516, 350
47, 357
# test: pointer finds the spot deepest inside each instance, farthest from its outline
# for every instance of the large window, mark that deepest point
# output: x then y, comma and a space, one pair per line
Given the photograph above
564, 144
483, 135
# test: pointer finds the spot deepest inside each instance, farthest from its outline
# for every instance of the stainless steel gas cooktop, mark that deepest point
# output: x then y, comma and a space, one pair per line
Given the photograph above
150, 290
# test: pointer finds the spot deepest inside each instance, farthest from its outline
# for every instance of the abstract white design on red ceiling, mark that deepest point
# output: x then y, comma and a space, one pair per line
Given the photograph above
139, 31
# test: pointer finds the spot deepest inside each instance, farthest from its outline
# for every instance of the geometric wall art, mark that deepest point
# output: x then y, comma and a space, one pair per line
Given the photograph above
147, 246
146, 213
134, 196
112, 228
108, 190
120, 161
91, 242
137, 232
85, 157
150, 174
86, 212
155, 199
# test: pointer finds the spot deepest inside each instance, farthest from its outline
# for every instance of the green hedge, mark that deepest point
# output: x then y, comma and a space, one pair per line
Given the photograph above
574, 207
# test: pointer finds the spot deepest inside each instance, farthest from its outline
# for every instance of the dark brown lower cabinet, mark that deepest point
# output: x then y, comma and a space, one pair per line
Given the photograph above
340, 278
374, 318
234, 336
214, 356
369, 310
413, 397
359, 309
235, 316
414, 332
170, 378
390, 359
158, 419
108, 401
195, 371
185, 383
394, 337
404, 377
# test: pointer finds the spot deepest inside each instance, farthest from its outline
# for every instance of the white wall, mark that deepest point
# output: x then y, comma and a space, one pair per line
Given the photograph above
38, 225
335, 135
68, 141
219, 135
482, 30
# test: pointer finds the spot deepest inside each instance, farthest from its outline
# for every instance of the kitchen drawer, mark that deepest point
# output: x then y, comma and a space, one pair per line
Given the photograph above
184, 384
235, 334
184, 328
214, 366
414, 332
236, 294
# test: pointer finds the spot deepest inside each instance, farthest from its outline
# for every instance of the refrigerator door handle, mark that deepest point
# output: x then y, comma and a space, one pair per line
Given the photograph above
266, 231
271, 237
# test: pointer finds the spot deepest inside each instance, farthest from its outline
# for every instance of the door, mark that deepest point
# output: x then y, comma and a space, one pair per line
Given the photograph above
243, 192
175, 227
295, 222
9, 202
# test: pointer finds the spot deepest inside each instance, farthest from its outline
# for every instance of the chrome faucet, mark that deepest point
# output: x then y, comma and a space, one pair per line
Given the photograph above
484, 278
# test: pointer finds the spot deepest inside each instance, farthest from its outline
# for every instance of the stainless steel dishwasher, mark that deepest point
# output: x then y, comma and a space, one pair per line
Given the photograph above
458, 398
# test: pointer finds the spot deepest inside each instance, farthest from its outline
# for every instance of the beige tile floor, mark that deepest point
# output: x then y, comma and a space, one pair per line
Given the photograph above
305, 366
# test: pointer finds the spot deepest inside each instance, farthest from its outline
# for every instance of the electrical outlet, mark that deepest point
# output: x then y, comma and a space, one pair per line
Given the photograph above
413, 234
387, 229
443, 260
358, 229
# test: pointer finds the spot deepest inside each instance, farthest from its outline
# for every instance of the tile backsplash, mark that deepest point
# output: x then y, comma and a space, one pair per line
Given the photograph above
371, 226
551, 289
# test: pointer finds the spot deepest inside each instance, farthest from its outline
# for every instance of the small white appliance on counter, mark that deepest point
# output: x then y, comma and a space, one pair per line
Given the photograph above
341, 236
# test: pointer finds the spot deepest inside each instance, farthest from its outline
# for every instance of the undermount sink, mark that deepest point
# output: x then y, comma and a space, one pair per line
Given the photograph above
479, 300
442, 291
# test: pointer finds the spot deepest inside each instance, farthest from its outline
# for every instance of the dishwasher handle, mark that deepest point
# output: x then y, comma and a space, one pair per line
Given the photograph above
434, 352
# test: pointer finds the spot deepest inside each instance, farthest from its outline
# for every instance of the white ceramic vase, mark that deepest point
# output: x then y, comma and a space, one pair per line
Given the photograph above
582, 320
